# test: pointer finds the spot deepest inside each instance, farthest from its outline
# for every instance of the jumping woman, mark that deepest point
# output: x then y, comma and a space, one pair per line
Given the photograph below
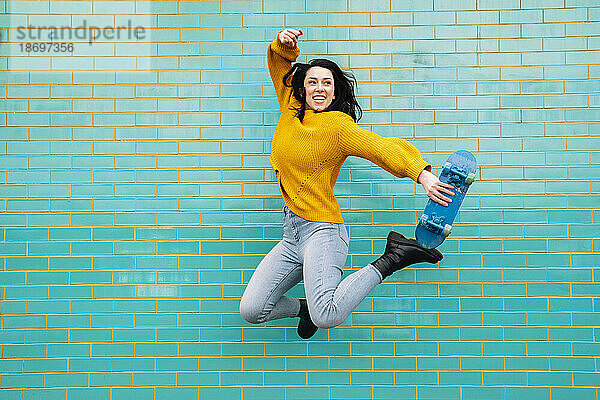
316, 131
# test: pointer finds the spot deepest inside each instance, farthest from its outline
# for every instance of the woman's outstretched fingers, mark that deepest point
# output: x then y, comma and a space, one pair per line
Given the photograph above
444, 188
436, 198
437, 190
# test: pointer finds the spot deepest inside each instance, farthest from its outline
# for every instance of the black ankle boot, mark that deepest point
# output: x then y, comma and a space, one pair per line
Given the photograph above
306, 328
401, 252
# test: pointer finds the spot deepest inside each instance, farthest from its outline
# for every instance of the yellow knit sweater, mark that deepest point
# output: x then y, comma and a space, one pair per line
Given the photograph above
307, 156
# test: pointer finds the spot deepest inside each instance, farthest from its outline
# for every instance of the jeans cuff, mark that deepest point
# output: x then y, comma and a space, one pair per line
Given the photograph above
377, 272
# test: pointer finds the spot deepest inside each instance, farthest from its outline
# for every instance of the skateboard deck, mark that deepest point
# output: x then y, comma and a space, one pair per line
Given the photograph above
435, 224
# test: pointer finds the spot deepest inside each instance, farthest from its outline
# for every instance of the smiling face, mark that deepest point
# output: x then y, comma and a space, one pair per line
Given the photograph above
319, 87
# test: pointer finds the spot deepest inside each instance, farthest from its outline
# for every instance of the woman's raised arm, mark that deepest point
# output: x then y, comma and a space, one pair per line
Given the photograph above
281, 53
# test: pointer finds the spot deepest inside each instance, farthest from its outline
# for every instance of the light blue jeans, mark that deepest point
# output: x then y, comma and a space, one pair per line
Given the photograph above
315, 251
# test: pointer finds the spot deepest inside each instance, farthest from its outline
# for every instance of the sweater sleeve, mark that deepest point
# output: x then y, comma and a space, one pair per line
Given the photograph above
397, 156
279, 60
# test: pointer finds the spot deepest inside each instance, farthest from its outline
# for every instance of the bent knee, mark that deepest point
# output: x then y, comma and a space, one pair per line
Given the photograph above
326, 321
325, 324
251, 313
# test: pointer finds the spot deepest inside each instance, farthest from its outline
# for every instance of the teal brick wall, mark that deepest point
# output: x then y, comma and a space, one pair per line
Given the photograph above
136, 199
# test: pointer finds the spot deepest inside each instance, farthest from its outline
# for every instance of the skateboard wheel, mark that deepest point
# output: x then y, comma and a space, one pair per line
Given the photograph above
446, 168
470, 178
447, 230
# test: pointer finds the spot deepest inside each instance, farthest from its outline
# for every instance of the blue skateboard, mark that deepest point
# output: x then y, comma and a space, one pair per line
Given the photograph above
435, 224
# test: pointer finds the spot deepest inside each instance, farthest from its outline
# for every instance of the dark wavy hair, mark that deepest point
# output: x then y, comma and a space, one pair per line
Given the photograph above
343, 82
